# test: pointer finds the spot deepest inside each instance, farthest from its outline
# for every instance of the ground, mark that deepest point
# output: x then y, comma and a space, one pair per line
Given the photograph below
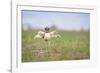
73, 45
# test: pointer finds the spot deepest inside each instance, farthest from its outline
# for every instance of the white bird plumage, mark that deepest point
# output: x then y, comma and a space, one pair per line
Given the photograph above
46, 36
39, 35
55, 34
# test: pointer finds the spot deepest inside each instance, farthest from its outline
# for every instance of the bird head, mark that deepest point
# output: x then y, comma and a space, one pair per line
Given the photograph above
47, 29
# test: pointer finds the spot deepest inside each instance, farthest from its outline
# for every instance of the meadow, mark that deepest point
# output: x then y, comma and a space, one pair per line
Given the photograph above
73, 45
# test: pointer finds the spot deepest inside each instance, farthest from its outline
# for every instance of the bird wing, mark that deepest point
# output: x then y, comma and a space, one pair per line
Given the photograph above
41, 32
52, 33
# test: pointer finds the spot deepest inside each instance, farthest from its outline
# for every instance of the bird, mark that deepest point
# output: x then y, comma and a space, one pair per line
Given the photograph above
47, 35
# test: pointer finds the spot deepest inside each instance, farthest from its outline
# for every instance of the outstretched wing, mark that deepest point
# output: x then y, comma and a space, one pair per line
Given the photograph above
55, 34
40, 34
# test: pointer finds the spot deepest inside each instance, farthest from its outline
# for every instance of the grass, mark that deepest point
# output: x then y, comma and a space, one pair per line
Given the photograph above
71, 46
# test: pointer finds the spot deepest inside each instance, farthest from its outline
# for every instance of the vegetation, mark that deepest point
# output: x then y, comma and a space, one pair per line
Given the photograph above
73, 45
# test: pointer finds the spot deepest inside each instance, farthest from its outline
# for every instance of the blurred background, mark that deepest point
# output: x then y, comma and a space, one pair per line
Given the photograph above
55, 20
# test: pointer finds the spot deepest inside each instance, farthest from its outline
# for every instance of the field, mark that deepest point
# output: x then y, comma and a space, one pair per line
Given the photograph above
73, 45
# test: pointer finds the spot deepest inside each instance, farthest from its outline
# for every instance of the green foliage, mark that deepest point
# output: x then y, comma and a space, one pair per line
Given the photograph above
71, 46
